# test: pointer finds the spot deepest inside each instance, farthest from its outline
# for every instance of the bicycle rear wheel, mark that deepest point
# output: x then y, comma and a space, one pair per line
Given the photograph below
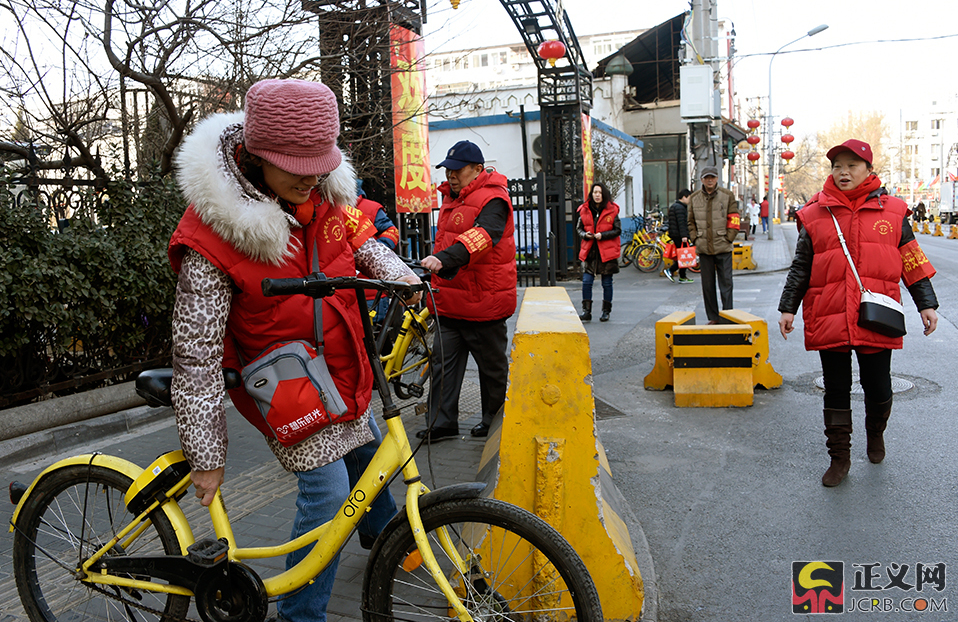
520, 568
69, 515
648, 258
411, 382
626, 253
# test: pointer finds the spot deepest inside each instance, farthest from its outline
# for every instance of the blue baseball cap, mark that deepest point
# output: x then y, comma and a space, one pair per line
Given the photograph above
462, 154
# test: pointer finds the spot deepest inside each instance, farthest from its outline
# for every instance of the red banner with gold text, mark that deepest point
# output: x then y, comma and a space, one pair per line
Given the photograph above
587, 174
410, 126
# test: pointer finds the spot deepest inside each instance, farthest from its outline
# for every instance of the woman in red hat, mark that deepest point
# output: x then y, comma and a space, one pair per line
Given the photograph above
884, 251
269, 196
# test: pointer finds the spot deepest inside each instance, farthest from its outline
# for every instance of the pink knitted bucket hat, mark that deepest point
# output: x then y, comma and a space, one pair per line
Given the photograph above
293, 125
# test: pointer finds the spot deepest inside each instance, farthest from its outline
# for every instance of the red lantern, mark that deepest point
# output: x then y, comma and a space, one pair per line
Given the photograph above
788, 155
753, 155
551, 50
753, 139
787, 138
788, 121
753, 123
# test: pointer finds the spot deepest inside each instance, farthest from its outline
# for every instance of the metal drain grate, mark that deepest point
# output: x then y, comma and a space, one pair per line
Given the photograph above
898, 385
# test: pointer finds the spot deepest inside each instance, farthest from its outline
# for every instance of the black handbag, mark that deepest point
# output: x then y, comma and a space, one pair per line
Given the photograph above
876, 312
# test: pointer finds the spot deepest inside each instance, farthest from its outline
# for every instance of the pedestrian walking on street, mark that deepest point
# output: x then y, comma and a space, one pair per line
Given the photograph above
679, 232
763, 214
754, 215
713, 226
884, 251
599, 229
265, 189
475, 255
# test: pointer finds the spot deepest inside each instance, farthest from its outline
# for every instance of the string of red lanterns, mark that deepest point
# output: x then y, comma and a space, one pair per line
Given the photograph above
787, 138
753, 139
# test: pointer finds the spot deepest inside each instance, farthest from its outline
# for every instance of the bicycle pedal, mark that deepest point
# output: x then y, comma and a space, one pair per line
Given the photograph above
208, 553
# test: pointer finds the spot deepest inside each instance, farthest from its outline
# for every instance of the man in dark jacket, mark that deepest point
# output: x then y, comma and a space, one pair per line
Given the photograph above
713, 224
679, 232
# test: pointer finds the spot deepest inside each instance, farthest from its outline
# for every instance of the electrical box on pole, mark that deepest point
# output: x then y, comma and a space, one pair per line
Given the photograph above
698, 93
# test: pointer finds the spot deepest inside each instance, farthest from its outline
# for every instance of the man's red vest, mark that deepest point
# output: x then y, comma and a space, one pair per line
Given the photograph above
485, 288
872, 234
256, 321
609, 248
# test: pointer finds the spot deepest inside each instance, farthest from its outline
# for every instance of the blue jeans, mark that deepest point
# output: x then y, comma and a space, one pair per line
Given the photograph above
321, 493
588, 279
764, 224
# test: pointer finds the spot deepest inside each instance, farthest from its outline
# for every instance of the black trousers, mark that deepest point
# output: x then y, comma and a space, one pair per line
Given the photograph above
457, 339
875, 376
721, 265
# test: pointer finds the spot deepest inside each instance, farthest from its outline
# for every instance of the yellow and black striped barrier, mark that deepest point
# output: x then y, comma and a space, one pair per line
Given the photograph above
712, 365
925, 229
742, 257
543, 452
938, 232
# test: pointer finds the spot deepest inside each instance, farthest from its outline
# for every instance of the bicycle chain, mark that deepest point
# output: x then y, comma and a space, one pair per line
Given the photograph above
160, 614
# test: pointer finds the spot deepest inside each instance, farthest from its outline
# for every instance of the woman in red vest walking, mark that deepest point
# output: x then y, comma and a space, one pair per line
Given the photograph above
269, 195
599, 229
884, 251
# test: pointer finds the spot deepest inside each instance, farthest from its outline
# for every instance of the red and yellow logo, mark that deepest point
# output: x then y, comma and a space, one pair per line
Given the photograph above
883, 227
333, 230
818, 587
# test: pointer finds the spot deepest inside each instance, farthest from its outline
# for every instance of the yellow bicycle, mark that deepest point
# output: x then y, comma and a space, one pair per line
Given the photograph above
98, 538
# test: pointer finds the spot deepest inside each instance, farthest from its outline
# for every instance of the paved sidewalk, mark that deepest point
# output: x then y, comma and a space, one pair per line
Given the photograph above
260, 494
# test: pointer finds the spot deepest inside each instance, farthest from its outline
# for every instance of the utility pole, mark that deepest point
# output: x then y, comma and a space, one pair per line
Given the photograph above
704, 116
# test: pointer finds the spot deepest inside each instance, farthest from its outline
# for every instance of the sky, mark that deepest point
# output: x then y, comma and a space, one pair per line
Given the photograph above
881, 55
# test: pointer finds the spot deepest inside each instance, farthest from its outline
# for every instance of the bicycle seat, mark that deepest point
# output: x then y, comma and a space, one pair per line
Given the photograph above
153, 385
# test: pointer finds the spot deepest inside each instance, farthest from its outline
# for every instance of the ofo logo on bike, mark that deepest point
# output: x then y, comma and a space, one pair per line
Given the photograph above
819, 588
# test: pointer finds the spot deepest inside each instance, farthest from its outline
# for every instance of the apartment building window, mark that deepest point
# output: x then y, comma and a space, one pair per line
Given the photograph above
936, 124
910, 150
935, 172
483, 60
446, 65
911, 126
503, 58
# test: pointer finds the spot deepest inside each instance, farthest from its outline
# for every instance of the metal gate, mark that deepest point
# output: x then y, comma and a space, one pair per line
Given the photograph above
539, 217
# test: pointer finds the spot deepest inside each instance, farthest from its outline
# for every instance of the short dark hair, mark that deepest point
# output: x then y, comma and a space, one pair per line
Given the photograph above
684, 192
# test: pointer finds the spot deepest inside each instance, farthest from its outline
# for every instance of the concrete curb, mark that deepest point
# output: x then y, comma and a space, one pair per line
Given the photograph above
38, 416
64, 438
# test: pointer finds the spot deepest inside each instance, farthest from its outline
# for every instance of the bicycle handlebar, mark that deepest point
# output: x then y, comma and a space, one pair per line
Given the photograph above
317, 285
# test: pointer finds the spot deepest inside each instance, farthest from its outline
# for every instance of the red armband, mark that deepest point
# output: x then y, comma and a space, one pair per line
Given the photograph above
476, 240
914, 264
358, 226
391, 234
732, 222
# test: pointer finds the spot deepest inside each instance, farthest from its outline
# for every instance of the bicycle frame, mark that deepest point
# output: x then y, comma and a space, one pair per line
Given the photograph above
394, 453
392, 362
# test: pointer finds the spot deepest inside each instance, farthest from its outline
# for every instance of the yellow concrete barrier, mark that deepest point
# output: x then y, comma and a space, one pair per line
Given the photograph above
663, 370
914, 226
924, 228
938, 232
543, 453
742, 257
712, 365
954, 233
661, 375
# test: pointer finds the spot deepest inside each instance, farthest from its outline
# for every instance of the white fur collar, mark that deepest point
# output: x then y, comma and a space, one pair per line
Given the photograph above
252, 223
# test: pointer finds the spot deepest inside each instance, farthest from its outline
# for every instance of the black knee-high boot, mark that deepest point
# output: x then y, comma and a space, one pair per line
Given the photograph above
838, 431
586, 315
876, 419
606, 310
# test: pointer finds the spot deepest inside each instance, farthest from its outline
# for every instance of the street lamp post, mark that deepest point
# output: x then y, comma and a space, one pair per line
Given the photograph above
769, 147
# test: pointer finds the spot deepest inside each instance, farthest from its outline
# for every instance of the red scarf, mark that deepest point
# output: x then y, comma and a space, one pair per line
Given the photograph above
854, 198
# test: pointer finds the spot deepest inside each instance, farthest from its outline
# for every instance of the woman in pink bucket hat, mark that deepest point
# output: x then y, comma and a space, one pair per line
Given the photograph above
268, 189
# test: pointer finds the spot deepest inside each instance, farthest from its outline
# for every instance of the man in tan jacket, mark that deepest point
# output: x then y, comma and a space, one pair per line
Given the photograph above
713, 225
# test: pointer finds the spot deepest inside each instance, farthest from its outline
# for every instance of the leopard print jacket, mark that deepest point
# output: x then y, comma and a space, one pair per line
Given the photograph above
255, 224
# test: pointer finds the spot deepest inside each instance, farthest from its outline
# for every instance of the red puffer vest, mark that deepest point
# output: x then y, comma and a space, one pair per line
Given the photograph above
256, 321
609, 249
485, 288
872, 233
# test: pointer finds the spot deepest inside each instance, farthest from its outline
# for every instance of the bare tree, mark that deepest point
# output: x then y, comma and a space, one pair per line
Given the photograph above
610, 161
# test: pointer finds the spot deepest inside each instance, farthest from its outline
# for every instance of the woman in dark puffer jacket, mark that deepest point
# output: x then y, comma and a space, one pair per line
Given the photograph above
884, 251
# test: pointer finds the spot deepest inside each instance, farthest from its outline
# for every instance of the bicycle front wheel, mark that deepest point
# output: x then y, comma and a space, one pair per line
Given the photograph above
648, 258
626, 253
517, 568
415, 365
69, 515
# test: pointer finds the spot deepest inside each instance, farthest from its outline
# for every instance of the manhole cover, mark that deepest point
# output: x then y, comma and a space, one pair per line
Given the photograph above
898, 385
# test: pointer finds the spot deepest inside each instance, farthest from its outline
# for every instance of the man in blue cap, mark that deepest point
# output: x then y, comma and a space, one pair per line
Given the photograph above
475, 254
